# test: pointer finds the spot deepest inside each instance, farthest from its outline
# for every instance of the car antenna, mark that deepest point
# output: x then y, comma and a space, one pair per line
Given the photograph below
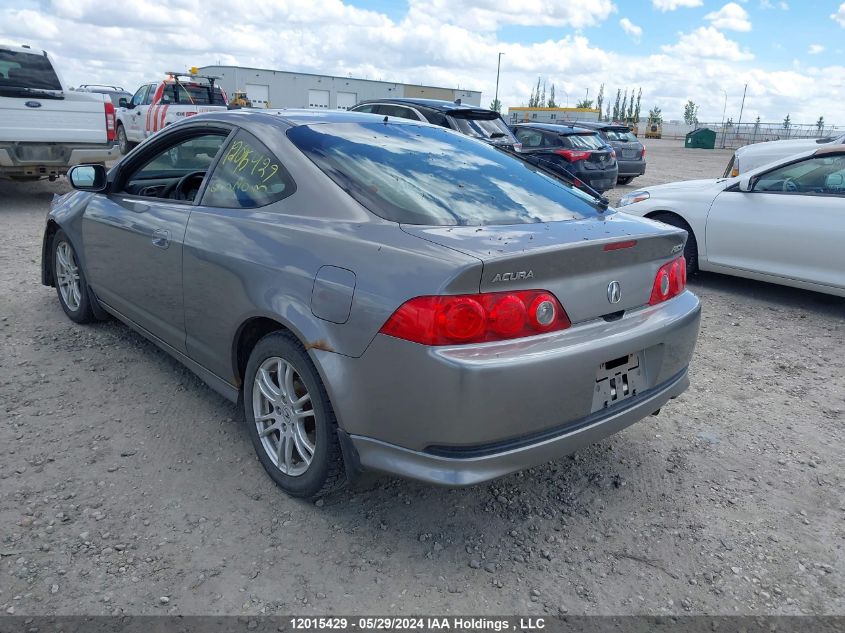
385, 119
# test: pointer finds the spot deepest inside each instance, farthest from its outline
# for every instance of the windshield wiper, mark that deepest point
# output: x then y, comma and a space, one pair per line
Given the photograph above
34, 92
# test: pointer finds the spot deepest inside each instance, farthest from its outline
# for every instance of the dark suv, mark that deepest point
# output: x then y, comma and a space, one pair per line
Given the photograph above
630, 153
573, 151
481, 123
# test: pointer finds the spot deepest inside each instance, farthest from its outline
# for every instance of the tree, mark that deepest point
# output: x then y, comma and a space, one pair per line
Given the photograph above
820, 124
496, 105
584, 103
691, 113
537, 94
624, 107
600, 100
607, 116
655, 115
542, 103
630, 116
531, 99
552, 103
637, 107
787, 123
616, 105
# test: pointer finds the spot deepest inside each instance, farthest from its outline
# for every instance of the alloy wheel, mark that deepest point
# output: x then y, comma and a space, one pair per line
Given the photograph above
284, 416
67, 276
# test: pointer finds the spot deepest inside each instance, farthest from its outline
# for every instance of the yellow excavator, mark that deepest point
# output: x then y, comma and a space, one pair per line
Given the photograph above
654, 130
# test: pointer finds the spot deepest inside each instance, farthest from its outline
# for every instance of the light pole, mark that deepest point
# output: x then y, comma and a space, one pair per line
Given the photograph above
724, 110
496, 98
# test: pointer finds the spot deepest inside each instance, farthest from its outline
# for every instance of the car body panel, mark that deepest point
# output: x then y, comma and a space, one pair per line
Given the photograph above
239, 265
784, 238
751, 157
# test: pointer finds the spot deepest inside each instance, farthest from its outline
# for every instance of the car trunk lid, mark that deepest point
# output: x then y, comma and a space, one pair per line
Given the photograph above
575, 260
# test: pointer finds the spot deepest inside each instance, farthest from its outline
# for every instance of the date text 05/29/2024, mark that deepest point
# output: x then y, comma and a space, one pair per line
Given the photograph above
386, 623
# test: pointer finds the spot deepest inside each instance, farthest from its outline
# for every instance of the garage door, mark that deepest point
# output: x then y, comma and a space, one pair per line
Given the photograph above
346, 100
318, 98
259, 95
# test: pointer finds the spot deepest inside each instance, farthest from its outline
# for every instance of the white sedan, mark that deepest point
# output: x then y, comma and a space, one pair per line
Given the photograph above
783, 222
756, 155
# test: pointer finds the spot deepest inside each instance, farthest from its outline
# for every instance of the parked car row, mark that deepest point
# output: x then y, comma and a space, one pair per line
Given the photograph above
598, 155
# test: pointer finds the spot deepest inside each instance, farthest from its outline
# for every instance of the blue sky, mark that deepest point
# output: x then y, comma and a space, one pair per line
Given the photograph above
674, 49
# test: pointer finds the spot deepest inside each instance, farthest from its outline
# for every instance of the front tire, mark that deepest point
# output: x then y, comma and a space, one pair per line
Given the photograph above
70, 280
691, 247
123, 143
290, 418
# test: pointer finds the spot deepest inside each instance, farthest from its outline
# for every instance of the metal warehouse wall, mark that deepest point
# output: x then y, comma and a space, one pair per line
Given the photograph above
302, 90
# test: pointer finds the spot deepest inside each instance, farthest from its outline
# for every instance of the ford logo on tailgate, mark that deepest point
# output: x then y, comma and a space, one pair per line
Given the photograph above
33, 104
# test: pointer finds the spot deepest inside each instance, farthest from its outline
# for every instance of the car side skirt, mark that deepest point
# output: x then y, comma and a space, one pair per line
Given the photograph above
221, 386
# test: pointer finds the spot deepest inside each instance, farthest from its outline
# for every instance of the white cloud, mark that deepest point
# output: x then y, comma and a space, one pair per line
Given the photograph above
487, 15
636, 32
815, 49
731, 17
767, 4
671, 5
707, 42
839, 16
121, 47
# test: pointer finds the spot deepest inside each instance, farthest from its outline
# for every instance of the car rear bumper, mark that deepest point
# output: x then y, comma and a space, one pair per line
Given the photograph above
491, 462
599, 179
430, 404
631, 167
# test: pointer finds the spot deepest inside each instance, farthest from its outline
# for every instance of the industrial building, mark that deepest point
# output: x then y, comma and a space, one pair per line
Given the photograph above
550, 115
283, 89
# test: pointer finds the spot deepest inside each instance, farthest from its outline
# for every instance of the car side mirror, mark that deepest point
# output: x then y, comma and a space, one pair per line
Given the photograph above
88, 177
123, 102
745, 184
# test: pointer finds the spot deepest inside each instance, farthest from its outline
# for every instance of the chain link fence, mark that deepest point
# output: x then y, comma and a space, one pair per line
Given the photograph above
734, 136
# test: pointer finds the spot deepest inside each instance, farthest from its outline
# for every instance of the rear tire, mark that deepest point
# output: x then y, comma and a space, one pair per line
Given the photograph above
69, 278
691, 248
624, 180
294, 436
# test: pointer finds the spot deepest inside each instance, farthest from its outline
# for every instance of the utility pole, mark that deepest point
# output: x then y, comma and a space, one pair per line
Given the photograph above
498, 68
741, 108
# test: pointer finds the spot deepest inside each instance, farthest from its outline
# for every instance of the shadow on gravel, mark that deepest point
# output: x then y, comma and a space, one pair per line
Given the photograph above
774, 294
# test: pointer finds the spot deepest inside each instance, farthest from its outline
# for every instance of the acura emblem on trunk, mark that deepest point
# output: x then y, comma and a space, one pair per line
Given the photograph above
614, 292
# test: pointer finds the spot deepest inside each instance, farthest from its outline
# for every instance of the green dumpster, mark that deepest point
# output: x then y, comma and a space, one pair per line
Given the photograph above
702, 138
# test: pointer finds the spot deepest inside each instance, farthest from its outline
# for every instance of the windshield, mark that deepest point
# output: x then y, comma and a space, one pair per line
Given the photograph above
620, 135
27, 70
432, 176
583, 141
494, 129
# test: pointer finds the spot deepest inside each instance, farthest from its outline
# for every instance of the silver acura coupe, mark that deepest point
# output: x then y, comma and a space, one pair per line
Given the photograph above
379, 293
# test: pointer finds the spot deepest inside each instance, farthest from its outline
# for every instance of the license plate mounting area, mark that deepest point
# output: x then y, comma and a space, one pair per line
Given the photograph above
617, 380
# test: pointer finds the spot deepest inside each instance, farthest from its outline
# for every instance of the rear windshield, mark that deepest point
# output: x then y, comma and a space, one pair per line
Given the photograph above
620, 135
493, 129
192, 93
27, 70
583, 141
419, 174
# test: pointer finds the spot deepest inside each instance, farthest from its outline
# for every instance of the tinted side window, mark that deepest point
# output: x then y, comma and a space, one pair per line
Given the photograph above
364, 108
437, 118
529, 137
149, 97
248, 176
398, 111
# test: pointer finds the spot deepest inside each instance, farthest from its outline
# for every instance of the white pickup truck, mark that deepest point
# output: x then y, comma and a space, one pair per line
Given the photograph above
44, 128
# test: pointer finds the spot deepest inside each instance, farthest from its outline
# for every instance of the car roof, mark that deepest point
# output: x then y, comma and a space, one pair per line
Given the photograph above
293, 117
440, 105
557, 128
22, 49
603, 125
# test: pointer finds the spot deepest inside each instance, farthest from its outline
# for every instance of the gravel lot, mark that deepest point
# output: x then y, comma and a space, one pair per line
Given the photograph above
127, 486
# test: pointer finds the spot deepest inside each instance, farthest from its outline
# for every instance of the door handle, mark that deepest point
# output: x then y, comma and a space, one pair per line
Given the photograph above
161, 238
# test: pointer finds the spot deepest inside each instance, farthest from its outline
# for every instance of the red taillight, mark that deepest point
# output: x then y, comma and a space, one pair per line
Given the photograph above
478, 318
670, 281
109, 120
643, 154
572, 155
613, 153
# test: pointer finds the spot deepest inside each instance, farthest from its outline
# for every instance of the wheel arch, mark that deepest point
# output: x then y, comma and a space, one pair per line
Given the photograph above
653, 215
47, 253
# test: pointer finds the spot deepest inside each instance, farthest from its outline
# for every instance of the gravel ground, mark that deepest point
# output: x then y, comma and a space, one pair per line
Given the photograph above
127, 486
